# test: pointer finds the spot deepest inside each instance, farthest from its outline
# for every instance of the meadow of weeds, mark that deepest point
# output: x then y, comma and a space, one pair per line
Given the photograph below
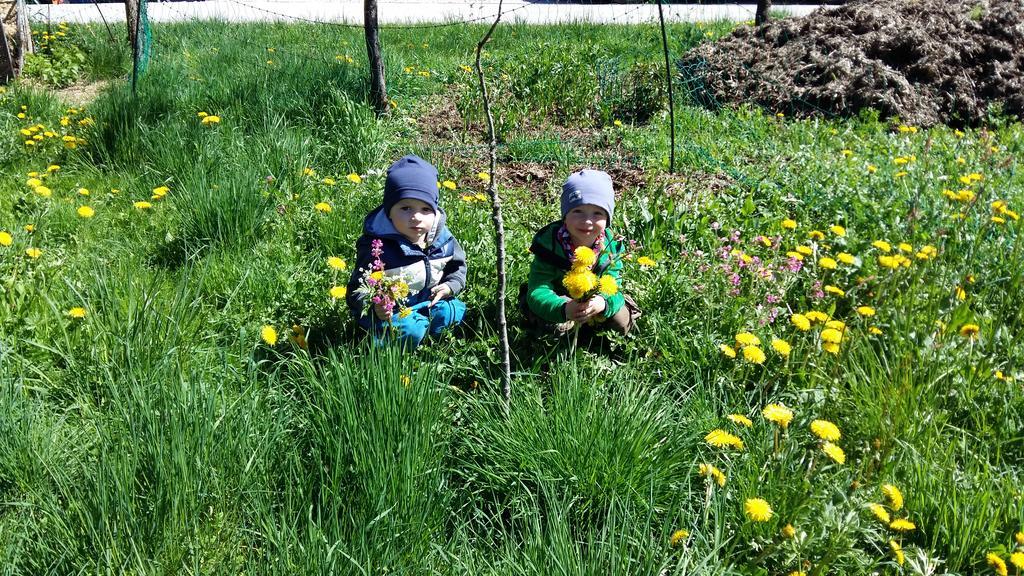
826, 379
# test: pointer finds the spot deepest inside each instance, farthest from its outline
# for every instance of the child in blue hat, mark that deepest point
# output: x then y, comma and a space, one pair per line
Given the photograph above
408, 233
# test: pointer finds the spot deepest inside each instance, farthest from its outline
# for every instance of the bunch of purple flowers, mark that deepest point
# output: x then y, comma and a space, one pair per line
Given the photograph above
377, 288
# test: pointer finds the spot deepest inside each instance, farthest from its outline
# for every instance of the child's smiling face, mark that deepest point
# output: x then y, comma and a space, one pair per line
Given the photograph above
586, 223
413, 219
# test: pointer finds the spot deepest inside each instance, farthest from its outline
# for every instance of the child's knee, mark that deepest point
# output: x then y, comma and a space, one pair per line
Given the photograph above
446, 313
412, 330
408, 332
625, 319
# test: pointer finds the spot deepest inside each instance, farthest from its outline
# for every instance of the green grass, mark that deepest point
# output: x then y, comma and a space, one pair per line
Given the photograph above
159, 434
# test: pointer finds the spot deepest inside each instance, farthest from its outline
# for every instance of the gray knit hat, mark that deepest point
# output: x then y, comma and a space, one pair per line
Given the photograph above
588, 187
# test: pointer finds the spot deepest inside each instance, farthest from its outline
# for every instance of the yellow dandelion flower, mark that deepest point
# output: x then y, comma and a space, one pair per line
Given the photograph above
970, 331
33, 253
721, 439
805, 250
336, 263
797, 573
329, 181
5, 238
1019, 538
757, 510
43, 191
827, 263
830, 347
795, 255
77, 312
904, 247
729, 351
202, 114
484, 177
52, 168
897, 552
882, 245
837, 230
781, 346
835, 290
161, 191
210, 119
847, 258
86, 212
788, 532
753, 354
338, 292
1017, 559
646, 262
778, 414
836, 325
33, 182
607, 285
880, 512
747, 339
834, 452
789, 224
83, 191
740, 420
449, 185
142, 205
712, 473
893, 496
816, 235
268, 335
354, 178
323, 207
997, 563
803, 323
890, 262
578, 282
584, 257
902, 525
826, 430
831, 336
816, 316
865, 311
678, 537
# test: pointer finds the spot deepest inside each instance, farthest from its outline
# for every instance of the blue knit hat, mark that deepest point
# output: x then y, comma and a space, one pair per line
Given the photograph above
410, 177
588, 187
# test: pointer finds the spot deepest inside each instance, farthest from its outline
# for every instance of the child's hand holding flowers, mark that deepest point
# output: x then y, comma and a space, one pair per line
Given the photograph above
586, 290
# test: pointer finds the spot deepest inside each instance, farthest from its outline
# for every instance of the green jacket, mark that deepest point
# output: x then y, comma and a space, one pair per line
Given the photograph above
546, 296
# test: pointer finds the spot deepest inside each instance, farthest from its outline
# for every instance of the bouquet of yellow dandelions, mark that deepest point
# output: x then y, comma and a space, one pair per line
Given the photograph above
581, 282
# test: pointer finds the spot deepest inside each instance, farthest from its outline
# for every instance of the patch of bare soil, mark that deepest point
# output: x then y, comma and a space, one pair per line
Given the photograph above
76, 94
443, 129
925, 61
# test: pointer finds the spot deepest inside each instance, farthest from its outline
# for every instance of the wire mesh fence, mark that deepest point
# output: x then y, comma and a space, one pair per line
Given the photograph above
626, 88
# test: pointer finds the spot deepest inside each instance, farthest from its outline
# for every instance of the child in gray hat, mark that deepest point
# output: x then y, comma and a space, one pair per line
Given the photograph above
588, 204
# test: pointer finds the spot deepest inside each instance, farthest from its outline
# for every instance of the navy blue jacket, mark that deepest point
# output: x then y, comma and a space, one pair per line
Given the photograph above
442, 261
